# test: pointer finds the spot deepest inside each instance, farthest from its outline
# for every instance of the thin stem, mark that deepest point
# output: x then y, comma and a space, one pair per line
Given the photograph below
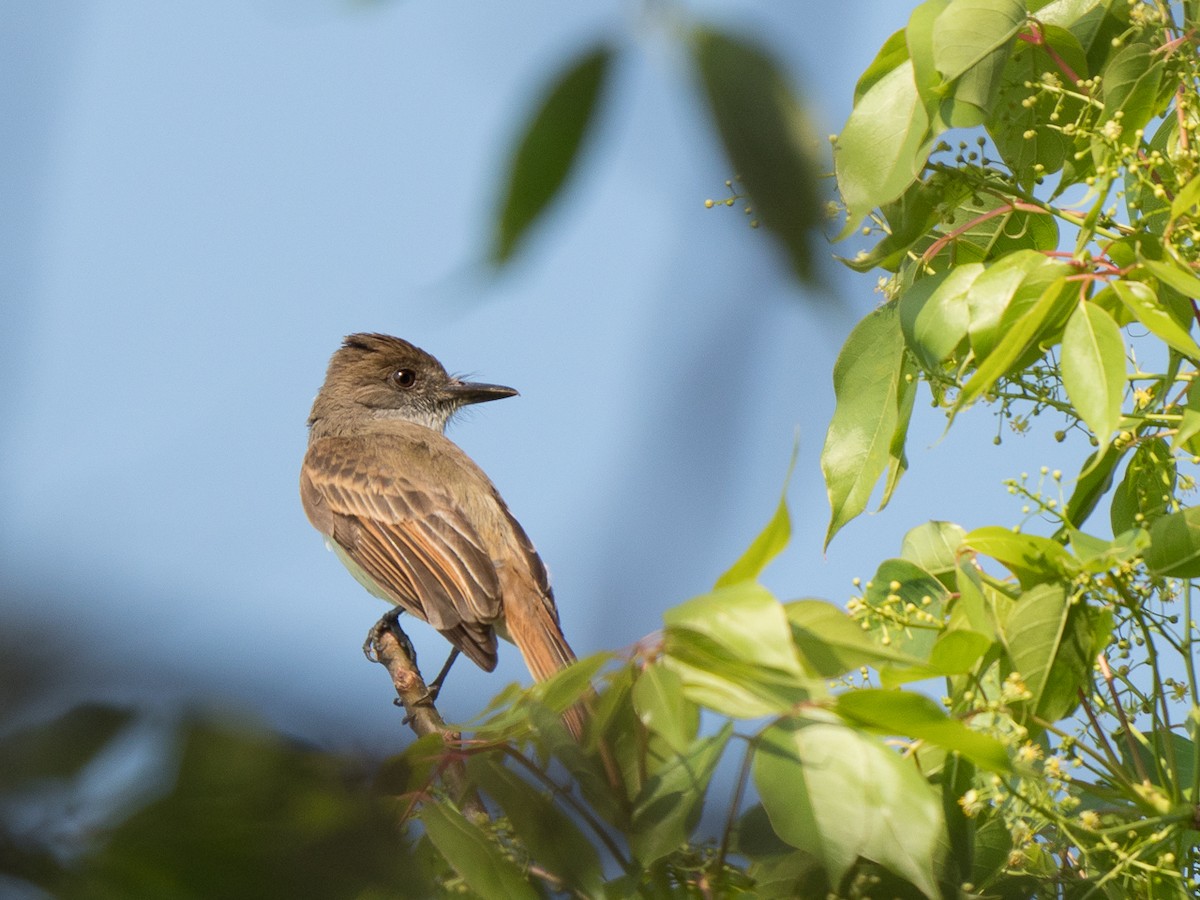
738, 793
1106, 673
580, 809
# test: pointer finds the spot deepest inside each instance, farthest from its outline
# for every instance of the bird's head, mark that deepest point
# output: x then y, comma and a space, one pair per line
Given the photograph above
386, 377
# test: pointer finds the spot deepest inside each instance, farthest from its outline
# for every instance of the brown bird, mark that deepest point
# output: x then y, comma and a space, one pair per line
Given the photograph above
412, 517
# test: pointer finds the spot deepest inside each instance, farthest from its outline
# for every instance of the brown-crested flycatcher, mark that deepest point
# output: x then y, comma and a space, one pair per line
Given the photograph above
412, 517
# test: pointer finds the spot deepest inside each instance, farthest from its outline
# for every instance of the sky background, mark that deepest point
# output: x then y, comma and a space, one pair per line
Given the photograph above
200, 200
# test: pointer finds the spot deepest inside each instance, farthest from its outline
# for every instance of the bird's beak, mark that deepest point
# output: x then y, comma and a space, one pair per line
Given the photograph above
464, 392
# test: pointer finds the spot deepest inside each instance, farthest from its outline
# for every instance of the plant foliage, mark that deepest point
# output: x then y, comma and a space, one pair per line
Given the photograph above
1028, 177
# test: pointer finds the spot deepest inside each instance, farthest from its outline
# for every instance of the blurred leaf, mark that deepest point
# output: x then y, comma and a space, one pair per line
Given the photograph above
250, 816
916, 716
867, 381
767, 138
768, 544
668, 809
548, 149
61, 747
543, 829
831, 644
662, 707
1174, 550
839, 794
481, 862
1093, 369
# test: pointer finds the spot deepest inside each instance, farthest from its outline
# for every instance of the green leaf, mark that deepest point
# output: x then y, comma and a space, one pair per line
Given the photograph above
668, 809
1025, 331
544, 830
885, 143
1189, 427
1148, 488
733, 651
1033, 559
1185, 202
993, 231
480, 862
919, 34
892, 54
1050, 644
934, 547
1174, 274
1131, 83
906, 391
768, 544
1012, 120
831, 644
1174, 550
1093, 369
934, 315
733, 688
971, 42
955, 652
974, 610
745, 620
548, 149
1005, 291
839, 794
916, 716
908, 597
767, 137
1144, 305
1095, 478
661, 706
868, 384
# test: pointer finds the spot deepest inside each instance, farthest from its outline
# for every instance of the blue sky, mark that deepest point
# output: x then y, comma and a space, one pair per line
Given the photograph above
201, 200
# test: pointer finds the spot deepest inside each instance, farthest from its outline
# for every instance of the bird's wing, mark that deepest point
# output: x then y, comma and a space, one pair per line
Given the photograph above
407, 535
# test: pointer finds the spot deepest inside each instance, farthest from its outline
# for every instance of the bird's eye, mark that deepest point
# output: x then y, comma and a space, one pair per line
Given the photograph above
404, 378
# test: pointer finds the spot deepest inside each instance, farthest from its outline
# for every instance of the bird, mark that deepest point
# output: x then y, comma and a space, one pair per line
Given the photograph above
415, 520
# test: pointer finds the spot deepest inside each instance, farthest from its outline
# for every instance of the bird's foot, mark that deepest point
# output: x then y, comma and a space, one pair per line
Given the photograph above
389, 621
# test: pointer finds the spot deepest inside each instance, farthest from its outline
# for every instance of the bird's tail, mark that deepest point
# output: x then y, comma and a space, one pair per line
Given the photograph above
532, 623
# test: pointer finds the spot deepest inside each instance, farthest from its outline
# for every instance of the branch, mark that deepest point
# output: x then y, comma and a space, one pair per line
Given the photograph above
388, 645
